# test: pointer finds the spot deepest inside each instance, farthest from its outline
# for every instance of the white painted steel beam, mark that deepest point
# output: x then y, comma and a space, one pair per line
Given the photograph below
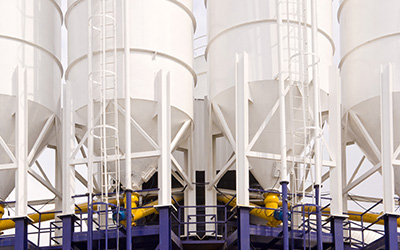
365, 134
277, 157
45, 130
84, 138
136, 155
282, 108
42, 171
140, 129
223, 171
362, 178
68, 170
46, 184
316, 90
190, 193
242, 129
128, 131
21, 145
387, 137
7, 149
164, 139
178, 178
8, 166
90, 139
180, 135
353, 176
211, 193
181, 172
266, 121
225, 128
81, 179
396, 153
335, 142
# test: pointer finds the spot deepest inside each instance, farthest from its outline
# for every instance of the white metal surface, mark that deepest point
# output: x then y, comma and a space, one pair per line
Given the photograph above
366, 44
152, 47
242, 129
29, 39
237, 26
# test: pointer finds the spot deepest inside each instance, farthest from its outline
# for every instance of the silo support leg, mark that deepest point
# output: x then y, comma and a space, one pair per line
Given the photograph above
128, 195
21, 232
165, 242
243, 227
337, 231
68, 221
391, 231
285, 221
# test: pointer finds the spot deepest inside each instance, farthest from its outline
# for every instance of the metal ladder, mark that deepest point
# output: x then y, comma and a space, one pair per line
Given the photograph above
104, 78
296, 50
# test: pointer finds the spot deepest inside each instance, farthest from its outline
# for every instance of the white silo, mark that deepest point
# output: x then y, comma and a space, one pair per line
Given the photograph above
369, 43
30, 41
160, 35
237, 26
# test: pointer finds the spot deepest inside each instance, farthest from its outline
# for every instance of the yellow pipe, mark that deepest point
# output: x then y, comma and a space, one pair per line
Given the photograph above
271, 200
140, 213
1, 210
50, 215
266, 214
356, 216
352, 215
45, 216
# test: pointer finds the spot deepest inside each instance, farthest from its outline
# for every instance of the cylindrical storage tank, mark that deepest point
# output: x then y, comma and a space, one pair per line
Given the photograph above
161, 38
370, 34
30, 39
237, 26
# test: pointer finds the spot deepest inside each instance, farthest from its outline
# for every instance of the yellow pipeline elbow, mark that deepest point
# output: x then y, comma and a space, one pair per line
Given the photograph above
1, 211
271, 200
134, 204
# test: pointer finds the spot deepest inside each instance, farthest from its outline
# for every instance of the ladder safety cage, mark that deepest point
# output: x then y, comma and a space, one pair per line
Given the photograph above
103, 77
299, 63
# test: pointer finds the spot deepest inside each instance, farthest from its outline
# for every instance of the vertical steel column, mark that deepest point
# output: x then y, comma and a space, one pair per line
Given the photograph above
337, 231
391, 231
335, 142
190, 193
128, 195
282, 119
319, 219
243, 221
68, 171
68, 221
317, 125
90, 126
164, 140
242, 141
211, 194
387, 138
164, 162
128, 137
165, 242
21, 151
21, 146
285, 217
390, 217
242, 129
21, 233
